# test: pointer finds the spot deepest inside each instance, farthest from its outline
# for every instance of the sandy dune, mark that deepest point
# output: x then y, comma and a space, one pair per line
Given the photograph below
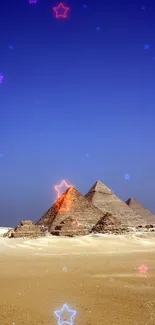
96, 275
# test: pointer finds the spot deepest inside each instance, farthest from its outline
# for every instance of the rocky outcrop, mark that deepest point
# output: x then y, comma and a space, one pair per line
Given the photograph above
105, 200
26, 228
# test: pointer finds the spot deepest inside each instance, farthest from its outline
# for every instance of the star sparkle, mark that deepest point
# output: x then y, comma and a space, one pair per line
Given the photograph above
143, 268
62, 313
61, 11
1, 78
146, 46
143, 7
126, 176
32, 1
58, 187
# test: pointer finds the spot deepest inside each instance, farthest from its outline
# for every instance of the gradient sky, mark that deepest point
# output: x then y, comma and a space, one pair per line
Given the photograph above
77, 102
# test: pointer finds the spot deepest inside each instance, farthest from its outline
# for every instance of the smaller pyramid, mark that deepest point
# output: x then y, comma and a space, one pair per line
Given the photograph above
71, 215
105, 200
109, 224
26, 228
141, 210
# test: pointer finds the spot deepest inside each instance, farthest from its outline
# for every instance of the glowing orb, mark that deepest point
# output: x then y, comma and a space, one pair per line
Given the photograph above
1, 78
11, 47
61, 10
97, 28
84, 6
65, 315
127, 176
143, 268
143, 7
58, 187
65, 269
146, 46
32, 1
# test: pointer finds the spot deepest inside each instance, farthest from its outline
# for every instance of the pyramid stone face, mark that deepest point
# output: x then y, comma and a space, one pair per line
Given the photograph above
72, 214
104, 199
141, 210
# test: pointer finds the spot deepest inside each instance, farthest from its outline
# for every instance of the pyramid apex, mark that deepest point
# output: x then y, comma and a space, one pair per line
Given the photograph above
131, 199
100, 188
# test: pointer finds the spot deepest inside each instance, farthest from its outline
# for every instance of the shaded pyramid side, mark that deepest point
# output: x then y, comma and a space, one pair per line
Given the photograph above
47, 219
141, 210
104, 199
109, 224
72, 214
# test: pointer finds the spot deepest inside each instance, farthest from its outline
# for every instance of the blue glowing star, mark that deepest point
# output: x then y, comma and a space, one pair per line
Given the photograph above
127, 176
146, 46
84, 6
97, 28
143, 7
1, 78
11, 47
61, 312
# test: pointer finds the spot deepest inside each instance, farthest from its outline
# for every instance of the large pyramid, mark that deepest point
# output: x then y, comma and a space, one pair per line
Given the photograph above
104, 199
141, 210
71, 214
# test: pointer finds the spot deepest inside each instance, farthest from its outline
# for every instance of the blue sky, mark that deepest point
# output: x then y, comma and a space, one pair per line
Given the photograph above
77, 102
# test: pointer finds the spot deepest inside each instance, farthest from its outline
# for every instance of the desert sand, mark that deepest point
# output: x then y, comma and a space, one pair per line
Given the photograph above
97, 276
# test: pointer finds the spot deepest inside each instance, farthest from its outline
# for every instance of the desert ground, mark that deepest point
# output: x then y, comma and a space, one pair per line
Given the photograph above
97, 276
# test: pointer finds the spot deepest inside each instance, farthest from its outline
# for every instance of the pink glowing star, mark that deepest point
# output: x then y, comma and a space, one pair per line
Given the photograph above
1, 78
58, 187
143, 268
61, 10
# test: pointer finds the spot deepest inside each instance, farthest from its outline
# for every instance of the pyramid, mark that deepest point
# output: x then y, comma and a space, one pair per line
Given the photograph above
141, 210
109, 224
26, 228
72, 214
104, 199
